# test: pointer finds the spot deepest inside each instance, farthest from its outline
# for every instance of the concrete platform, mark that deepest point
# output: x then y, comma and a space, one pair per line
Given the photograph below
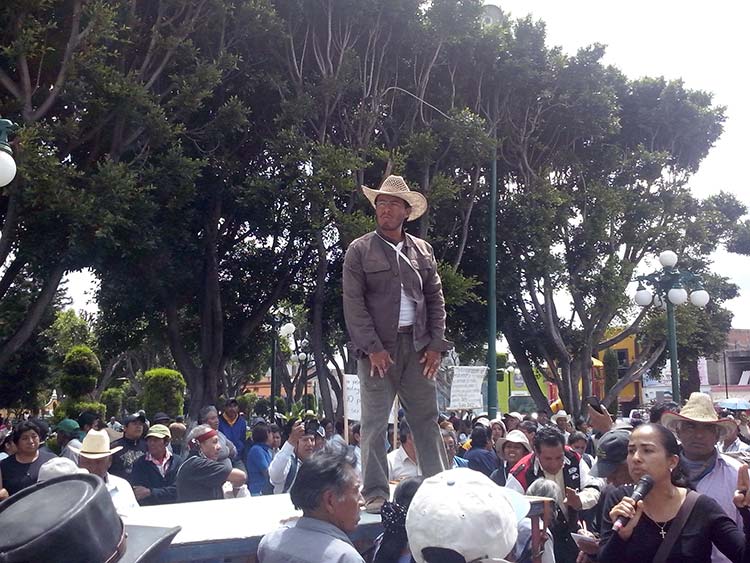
230, 530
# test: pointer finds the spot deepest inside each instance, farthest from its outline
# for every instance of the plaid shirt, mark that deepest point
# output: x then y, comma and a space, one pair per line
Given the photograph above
162, 465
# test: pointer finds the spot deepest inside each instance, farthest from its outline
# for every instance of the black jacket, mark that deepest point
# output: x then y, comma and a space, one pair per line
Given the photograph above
163, 489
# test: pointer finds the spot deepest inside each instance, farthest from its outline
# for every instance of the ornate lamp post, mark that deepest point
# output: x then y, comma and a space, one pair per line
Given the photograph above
7, 164
669, 290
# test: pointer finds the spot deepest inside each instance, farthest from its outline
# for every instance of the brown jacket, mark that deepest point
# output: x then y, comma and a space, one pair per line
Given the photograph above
372, 295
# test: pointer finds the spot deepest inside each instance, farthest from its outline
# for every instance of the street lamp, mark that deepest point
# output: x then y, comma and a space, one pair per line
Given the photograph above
7, 164
668, 291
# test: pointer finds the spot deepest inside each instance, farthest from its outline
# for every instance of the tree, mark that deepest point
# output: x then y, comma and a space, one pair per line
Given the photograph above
114, 399
611, 374
163, 391
82, 368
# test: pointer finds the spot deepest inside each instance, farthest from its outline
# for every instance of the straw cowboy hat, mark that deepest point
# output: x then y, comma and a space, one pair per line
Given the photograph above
96, 445
699, 408
395, 186
560, 414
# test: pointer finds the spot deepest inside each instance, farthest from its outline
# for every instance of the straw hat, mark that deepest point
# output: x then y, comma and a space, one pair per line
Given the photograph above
560, 414
699, 408
96, 445
396, 186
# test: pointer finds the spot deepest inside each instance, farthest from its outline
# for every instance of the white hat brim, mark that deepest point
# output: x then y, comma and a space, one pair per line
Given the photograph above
416, 201
672, 419
97, 455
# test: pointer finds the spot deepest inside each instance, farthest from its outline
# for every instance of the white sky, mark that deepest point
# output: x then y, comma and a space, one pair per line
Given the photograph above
703, 43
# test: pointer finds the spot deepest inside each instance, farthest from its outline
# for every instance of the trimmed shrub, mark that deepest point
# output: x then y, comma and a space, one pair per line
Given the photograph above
281, 405
163, 391
114, 397
262, 407
82, 368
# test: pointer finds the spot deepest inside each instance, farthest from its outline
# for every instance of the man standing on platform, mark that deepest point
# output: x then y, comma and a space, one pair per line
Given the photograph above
395, 315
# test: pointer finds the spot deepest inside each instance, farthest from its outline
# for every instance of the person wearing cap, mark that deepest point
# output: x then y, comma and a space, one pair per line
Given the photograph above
95, 456
131, 446
88, 420
57, 467
202, 476
709, 472
300, 445
154, 476
498, 430
67, 431
395, 315
326, 490
512, 420
234, 426
509, 451
462, 516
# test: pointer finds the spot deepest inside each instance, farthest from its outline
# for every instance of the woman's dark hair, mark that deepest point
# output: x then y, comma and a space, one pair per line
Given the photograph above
479, 437
529, 426
394, 537
24, 427
669, 443
260, 434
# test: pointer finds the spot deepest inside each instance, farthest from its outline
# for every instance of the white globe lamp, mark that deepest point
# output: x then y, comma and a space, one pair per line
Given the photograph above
699, 298
643, 297
7, 168
677, 295
668, 259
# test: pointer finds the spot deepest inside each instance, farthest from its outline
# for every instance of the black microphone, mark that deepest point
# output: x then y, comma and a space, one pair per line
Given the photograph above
643, 488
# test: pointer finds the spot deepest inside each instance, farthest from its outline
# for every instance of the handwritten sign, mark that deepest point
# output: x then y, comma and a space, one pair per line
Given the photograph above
466, 387
352, 399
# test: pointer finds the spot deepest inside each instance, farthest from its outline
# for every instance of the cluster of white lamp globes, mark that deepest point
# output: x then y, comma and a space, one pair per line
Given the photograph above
286, 331
676, 295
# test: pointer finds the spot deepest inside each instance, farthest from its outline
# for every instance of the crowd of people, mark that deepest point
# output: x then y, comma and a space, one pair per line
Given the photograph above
589, 469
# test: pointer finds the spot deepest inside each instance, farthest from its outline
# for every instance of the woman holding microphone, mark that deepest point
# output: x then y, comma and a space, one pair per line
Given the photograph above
696, 521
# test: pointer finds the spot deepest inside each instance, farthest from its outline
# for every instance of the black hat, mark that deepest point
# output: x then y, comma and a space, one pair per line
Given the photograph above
132, 418
611, 452
160, 417
71, 519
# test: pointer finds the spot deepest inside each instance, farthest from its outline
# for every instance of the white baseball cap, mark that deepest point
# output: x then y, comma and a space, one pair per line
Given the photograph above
56, 467
485, 514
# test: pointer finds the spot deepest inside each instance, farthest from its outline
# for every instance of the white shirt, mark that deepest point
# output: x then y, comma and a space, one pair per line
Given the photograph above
720, 484
401, 466
122, 494
279, 467
736, 446
407, 313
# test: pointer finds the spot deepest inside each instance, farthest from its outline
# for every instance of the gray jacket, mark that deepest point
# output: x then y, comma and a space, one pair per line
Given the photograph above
372, 295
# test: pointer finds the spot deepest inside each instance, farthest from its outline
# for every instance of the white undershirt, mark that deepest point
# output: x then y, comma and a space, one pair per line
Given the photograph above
408, 308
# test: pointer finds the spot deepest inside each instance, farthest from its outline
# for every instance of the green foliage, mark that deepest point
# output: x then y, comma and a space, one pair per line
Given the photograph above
114, 398
262, 407
81, 360
280, 403
163, 391
82, 369
247, 402
69, 408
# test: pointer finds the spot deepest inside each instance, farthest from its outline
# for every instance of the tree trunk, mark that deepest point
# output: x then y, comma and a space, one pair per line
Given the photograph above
317, 324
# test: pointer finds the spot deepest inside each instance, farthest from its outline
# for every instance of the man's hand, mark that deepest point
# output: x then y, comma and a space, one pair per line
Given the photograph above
380, 362
741, 495
141, 492
601, 422
572, 499
431, 361
298, 430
